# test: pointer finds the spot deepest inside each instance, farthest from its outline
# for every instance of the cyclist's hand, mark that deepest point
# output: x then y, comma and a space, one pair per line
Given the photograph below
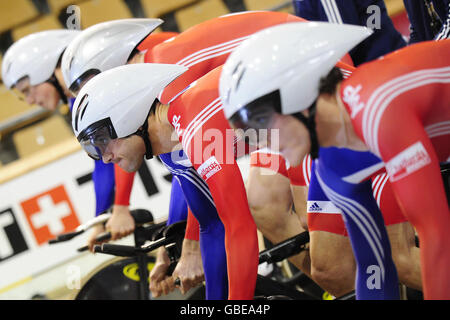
189, 268
96, 231
121, 222
160, 283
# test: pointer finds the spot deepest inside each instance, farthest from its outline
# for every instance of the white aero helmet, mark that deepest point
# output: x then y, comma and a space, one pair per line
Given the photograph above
116, 104
289, 60
102, 47
35, 56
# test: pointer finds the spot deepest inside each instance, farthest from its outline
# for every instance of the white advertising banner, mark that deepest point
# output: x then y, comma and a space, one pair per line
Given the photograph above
55, 199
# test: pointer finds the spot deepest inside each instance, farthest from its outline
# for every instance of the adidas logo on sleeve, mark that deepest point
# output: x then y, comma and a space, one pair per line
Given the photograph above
322, 207
314, 207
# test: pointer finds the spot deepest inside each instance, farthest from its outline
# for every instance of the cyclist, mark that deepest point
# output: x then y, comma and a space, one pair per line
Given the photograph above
260, 115
335, 273
38, 83
127, 142
32, 68
199, 54
413, 161
21, 72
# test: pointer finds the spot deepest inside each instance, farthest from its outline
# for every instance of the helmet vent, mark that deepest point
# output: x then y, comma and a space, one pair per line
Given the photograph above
238, 72
8, 67
81, 109
71, 63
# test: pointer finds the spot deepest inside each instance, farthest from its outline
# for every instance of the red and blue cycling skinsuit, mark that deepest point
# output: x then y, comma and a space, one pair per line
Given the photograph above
333, 178
211, 146
227, 228
402, 114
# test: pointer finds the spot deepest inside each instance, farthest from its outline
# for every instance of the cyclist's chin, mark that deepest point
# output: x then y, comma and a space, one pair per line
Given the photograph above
130, 165
294, 153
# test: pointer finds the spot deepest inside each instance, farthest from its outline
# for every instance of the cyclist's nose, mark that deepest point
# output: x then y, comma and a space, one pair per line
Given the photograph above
107, 153
107, 157
30, 99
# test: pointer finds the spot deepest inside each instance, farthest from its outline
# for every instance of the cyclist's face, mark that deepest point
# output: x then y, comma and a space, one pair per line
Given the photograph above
44, 94
137, 58
60, 78
128, 153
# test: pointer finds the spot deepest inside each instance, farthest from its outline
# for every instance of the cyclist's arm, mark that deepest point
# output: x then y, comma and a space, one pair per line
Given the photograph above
103, 178
241, 244
192, 227
124, 185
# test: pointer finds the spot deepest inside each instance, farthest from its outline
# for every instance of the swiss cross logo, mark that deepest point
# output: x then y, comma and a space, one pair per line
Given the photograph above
50, 214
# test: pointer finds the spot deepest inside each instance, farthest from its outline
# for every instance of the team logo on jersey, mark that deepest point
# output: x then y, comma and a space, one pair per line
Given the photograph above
352, 98
314, 208
176, 124
408, 161
323, 207
209, 168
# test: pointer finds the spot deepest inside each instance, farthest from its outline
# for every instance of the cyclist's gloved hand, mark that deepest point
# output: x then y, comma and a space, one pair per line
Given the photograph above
189, 269
121, 222
96, 231
160, 283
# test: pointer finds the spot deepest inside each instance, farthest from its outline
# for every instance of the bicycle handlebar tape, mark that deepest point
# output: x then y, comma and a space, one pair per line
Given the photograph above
285, 249
176, 229
118, 250
141, 216
65, 237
